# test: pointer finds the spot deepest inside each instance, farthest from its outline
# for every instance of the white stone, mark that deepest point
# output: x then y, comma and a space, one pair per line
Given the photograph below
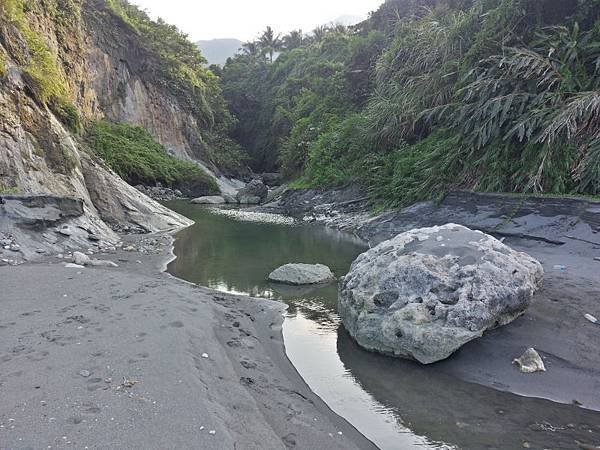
530, 362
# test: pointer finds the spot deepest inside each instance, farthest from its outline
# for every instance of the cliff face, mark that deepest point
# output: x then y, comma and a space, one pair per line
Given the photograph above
120, 84
107, 71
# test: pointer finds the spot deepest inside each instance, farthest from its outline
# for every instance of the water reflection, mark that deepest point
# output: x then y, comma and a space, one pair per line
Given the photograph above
397, 404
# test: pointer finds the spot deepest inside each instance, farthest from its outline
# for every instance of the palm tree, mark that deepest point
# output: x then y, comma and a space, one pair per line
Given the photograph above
269, 43
320, 32
251, 49
293, 40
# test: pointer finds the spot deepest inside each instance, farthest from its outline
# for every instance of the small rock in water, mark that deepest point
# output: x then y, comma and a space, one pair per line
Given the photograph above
15, 248
85, 373
129, 248
205, 355
209, 200
93, 237
300, 274
212, 432
597, 258
530, 362
74, 266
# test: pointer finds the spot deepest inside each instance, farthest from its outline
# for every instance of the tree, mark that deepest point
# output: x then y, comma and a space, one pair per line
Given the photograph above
293, 40
251, 49
269, 43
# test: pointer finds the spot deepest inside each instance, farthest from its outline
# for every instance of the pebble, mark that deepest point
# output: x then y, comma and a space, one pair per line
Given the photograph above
15, 248
85, 373
213, 432
65, 231
205, 355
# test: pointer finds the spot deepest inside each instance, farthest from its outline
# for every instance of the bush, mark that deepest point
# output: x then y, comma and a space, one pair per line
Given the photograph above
134, 154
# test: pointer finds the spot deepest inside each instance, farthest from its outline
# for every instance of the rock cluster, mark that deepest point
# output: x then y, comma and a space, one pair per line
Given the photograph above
253, 193
160, 193
426, 292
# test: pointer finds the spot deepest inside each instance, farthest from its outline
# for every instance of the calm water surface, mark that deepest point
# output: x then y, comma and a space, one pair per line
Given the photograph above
397, 404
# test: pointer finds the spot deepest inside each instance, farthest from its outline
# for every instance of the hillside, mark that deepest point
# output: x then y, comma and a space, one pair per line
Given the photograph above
428, 96
68, 66
216, 51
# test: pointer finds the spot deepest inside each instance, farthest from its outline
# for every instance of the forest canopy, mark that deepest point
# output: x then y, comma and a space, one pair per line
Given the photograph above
426, 96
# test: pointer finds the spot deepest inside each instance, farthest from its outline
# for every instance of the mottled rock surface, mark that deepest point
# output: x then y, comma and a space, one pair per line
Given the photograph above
426, 292
301, 274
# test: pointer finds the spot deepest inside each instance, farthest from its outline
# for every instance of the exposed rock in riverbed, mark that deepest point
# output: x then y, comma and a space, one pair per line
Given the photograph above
209, 200
254, 190
302, 274
426, 292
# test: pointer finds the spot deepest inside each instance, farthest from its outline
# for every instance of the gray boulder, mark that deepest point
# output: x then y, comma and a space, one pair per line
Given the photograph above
256, 188
248, 199
229, 199
209, 200
272, 179
301, 274
426, 292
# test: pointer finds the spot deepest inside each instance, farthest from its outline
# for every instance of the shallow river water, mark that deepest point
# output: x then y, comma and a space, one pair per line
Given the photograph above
396, 404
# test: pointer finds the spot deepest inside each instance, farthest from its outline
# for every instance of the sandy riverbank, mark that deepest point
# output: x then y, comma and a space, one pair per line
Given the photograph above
134, 358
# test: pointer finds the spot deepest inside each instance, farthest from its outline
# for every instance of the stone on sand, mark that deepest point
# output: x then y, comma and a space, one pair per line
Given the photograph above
82, 259
424, 293
530, 362
301, 274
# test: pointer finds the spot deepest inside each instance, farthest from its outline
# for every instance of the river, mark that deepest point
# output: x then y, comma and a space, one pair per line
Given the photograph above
397, 404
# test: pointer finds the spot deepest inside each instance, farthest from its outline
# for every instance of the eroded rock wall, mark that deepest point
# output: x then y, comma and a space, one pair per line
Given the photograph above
104, 63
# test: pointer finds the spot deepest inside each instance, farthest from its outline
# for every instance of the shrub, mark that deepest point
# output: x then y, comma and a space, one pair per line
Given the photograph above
134, 154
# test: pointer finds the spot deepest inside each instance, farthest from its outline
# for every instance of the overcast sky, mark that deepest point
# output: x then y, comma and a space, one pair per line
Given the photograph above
243, 19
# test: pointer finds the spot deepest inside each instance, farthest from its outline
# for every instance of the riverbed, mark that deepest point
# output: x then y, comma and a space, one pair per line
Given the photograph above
394, 403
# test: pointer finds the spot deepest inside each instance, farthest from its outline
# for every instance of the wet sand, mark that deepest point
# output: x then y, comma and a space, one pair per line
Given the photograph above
134, 358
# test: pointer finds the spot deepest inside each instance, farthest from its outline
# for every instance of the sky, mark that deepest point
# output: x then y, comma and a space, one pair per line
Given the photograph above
244, 19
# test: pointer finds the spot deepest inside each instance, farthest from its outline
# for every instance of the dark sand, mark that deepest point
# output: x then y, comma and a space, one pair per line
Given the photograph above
116, 358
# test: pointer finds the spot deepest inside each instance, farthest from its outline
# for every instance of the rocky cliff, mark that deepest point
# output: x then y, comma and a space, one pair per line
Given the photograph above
64, 63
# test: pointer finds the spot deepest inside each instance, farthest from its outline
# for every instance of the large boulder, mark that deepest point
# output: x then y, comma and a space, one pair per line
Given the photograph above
426, 292
256, 188
272, 179
302, 274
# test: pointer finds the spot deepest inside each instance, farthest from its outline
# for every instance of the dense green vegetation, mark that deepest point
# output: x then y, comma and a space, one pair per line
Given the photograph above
134, 154
429, 95
46, 75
